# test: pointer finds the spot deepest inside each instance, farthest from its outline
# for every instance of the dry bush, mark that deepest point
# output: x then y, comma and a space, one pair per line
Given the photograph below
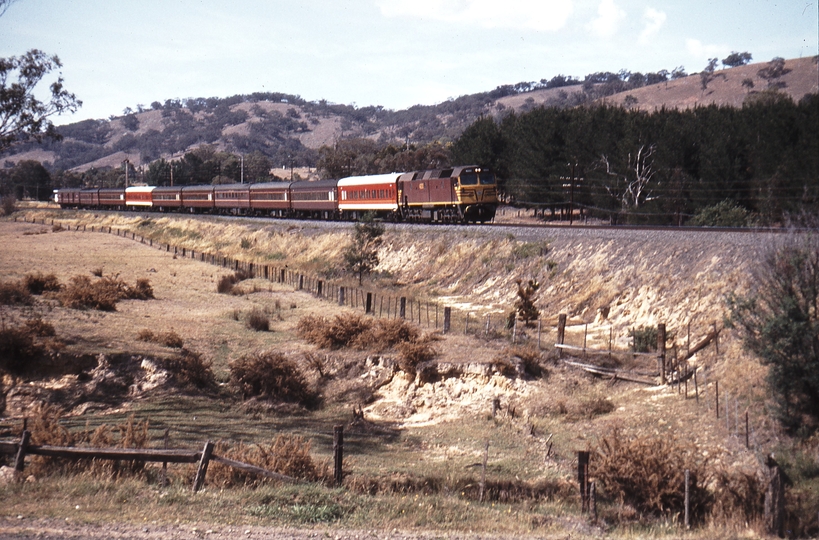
40, 328
341, 331
412, 355
57, 227
39, 283
97, 272
387, 333
595, 407
504, 366
44, 425
189, 369
272, 376
168, 339
286, 454
738, 496
8, 205
257, 320
131, 434
18, 348
648, 475
531, 358
14, 293
225, 283
102, 294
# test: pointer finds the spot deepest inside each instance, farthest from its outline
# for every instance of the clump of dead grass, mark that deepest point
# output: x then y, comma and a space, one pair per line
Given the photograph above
39, 283
168, 339
102, 294
271, 376
351, 330
257, 320
645, 476
189, 369
286, 454
14, 293
226, 283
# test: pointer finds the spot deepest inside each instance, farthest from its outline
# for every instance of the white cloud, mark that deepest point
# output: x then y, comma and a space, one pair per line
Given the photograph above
704, 52
654, 20
545, 15
608, 20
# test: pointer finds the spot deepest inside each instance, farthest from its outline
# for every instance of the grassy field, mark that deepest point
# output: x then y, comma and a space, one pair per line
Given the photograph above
413, 463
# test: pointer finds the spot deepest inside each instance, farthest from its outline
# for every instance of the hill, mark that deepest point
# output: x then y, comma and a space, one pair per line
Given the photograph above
290, 130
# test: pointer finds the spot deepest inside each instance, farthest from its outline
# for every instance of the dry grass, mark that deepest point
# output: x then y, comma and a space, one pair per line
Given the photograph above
257, 320
189, 370
355, 331
168, 339
646, 476
39, 283
271, 376
102, 294
14, 293
286, 454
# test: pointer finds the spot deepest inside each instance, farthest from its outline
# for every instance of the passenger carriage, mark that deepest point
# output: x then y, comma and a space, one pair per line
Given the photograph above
232, 198
377, 193
317, 200
198, 199
166, 198
270, 199
139, 197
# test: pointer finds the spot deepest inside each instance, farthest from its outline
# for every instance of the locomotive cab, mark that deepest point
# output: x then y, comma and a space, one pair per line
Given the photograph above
477, 194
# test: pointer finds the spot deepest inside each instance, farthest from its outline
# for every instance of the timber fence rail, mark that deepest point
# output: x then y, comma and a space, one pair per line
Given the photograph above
23, 448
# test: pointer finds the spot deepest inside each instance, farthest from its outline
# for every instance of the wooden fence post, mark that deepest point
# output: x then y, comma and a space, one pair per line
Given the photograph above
583, 479
341, 296
447, 318
661, 351
402, 311
202, 470
338, 454
774, 499
561, 332
687, 499
368, 306
716, 397
19, 462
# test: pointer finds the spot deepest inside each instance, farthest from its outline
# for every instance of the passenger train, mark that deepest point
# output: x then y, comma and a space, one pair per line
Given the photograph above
465, 194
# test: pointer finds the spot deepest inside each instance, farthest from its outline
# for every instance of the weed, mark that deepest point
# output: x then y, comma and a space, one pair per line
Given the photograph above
97, 272
189, 369
643, 338
531, 357
225, 283
168, 339
246, 243
270, 375
257, 320
18, 349
355, 331
103, 294
14, 293
412, 355
526, 250
38, 283
595, 407
57, 227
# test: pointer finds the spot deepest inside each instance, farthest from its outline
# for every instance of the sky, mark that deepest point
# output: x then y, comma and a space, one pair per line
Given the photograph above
393, 53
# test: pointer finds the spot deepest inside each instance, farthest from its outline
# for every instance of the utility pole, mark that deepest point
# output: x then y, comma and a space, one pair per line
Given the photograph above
243, 168
126, 163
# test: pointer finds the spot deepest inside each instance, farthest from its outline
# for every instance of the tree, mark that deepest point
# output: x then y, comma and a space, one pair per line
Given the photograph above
361, 256
632, 188
525, 304
779, 322
707, 74
736, 59
30, 179
4, 5
22, 115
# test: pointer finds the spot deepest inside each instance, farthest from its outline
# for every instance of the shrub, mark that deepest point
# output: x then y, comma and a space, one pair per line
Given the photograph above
38, 327
14, 293
530, 356
647, 474
8, 204
97, 272
355, 331
103, 294
168, 339
286, 454
225, 283
57, 227
525, 304
39, 283
257, 320
643, 338
18, 348
411, 355
82, 293
270, 375
188, 368
390, 332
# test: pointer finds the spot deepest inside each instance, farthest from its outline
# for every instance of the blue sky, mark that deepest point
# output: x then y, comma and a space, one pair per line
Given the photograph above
394, 53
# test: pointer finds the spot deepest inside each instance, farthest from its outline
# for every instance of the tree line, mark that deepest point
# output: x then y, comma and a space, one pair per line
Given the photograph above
662, 167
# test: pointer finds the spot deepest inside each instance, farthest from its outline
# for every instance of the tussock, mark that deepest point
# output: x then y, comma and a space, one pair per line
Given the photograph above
257, 320
286, 454
168, 339
102, 294
14, 293
272, 376
188, 369
38, 283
